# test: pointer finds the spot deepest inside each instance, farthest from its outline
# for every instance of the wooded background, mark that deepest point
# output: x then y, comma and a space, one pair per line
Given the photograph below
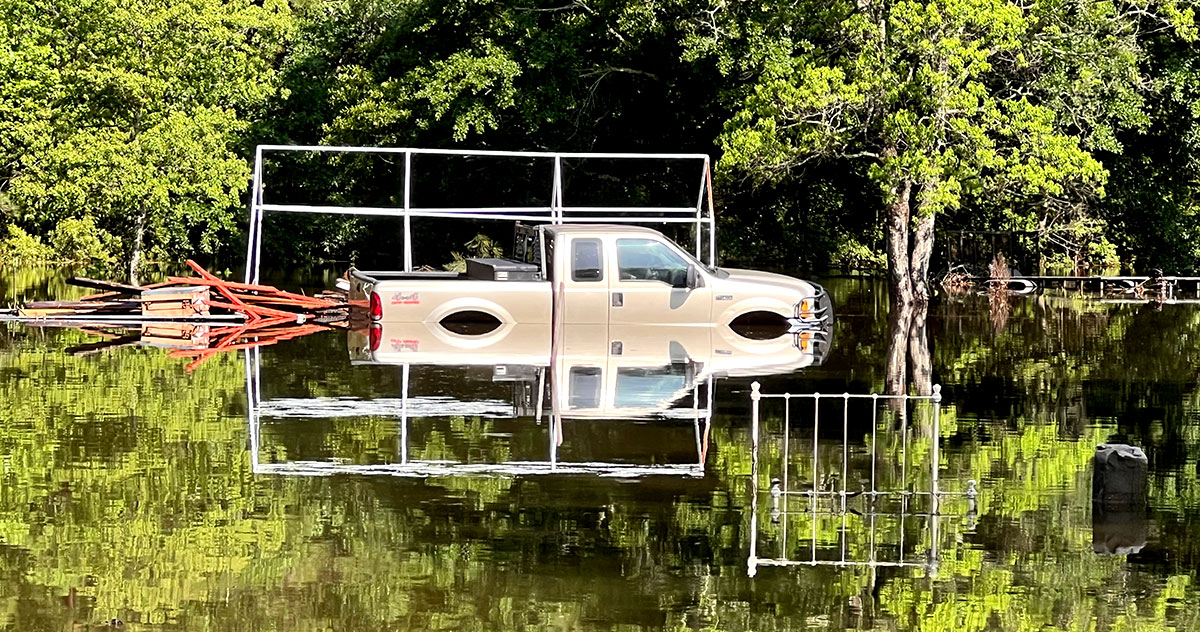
846, 133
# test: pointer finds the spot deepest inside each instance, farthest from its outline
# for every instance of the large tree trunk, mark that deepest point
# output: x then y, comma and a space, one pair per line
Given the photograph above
139, 231
897, 245
922, 251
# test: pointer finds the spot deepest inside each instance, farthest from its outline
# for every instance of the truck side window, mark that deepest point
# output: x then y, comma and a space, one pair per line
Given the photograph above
584, 387
650, 260
647, 387
585, 260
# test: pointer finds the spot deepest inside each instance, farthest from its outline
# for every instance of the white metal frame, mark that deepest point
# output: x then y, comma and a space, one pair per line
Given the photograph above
781, 494
557, 212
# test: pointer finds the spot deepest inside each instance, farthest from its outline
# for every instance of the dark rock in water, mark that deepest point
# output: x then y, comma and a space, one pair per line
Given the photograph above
1119, 495
1119, 475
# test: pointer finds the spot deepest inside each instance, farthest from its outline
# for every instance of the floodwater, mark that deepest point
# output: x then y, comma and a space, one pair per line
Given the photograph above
290, 489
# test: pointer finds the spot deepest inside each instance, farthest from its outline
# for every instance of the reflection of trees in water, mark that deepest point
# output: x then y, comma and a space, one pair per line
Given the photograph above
896, 367
908, 351
128, 483
999, 307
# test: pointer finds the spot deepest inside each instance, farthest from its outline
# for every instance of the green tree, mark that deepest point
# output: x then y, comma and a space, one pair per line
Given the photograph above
130, 113
1154, 202
949, 101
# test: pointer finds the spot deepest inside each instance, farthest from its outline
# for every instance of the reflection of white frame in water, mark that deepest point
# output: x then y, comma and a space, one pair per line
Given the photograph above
701, 215
406, 406
780, 492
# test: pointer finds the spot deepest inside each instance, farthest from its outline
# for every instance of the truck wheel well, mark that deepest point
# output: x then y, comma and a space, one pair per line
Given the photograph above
470, 322
759, 325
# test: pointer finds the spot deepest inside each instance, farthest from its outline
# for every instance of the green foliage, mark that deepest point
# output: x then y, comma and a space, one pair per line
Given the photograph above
129, 114
479, 246
21, 247
980, 105
1056, 116
928, 92
81, 241
1153, 209
72, 241
598, 75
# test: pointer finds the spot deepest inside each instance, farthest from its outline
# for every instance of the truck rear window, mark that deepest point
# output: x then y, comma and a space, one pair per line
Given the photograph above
584, 387
586, 261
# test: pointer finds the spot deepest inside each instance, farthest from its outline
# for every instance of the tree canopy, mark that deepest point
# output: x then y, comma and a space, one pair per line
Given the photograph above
844, 130
131, 114
952, 104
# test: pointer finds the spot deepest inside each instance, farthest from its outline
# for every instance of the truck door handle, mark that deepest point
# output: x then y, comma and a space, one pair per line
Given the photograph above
618, 299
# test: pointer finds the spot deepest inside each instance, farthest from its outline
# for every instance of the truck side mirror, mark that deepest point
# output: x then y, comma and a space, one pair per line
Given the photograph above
694, 280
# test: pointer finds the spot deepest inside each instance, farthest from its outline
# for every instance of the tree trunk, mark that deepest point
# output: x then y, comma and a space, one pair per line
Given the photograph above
897, 245
922, 251
135, 258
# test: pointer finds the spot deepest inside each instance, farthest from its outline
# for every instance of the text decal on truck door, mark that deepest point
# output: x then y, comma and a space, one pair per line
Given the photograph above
404, 345
406, 298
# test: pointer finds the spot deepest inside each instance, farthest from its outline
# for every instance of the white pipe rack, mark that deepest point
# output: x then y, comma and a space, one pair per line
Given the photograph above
701, 215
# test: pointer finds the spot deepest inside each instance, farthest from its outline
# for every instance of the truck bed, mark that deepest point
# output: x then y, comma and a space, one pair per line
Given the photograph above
385, 275
480, 269
495, 290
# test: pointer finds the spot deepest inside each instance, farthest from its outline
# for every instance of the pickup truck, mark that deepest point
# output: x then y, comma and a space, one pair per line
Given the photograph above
592, 274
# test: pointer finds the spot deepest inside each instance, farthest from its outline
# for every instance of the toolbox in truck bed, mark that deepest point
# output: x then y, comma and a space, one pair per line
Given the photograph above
490, 269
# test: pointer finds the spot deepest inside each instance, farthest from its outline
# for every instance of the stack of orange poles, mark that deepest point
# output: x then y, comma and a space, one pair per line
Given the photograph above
249, 299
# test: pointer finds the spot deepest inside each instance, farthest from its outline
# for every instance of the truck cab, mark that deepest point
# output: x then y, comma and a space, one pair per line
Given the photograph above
634, 275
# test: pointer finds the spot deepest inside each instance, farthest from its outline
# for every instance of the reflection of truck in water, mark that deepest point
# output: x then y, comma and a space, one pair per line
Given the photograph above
593, 275
595, 371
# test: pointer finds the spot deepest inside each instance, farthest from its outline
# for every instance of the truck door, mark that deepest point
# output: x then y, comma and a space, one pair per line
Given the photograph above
585, 282
649, 286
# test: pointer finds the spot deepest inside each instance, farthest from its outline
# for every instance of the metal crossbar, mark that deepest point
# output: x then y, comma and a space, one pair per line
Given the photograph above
701, 215
830, 501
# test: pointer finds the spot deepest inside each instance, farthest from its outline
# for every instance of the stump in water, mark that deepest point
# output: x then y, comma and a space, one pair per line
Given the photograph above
1119, 478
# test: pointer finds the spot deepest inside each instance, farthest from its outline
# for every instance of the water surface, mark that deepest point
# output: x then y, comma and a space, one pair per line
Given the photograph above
136, 491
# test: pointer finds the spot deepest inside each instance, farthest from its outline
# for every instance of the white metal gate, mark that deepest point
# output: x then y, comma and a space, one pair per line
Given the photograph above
806, 512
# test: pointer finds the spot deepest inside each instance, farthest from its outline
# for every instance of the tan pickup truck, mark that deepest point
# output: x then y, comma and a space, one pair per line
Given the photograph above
572, 274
